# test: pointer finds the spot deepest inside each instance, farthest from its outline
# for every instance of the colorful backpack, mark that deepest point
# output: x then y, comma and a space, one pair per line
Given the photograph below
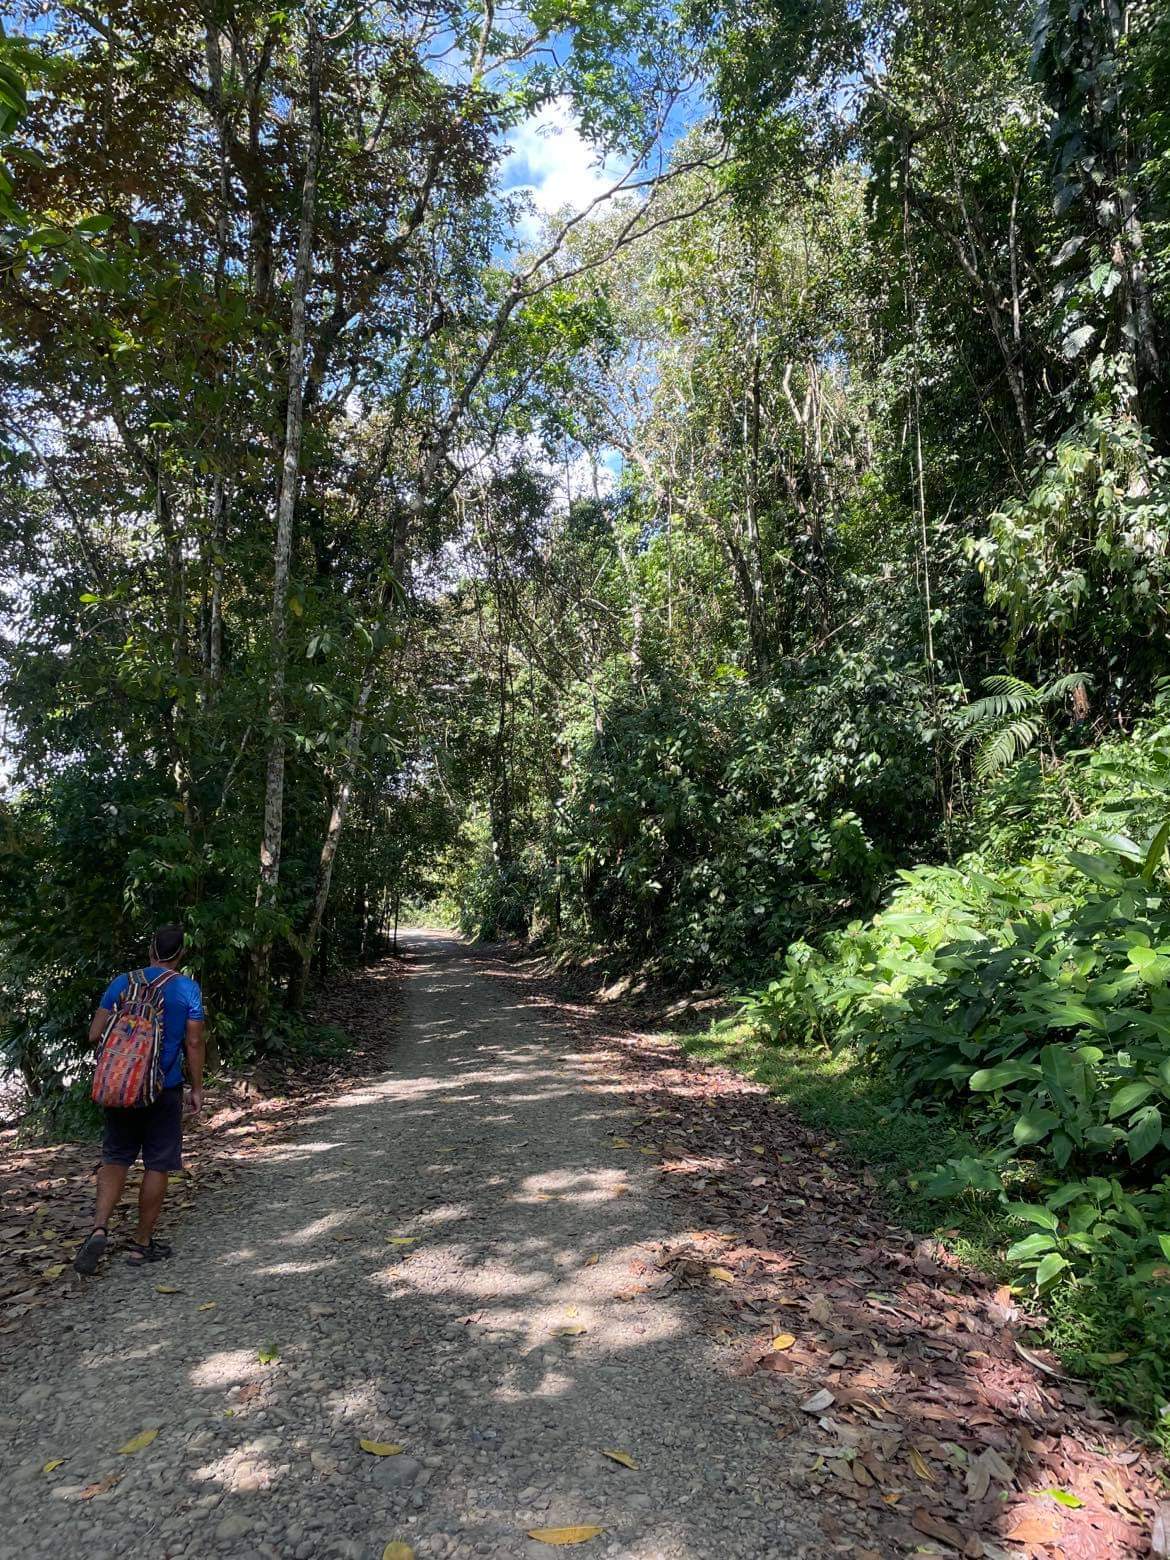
129, 1065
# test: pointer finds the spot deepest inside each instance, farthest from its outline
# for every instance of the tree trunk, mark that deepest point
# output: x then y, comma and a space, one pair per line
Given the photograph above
353, 747
353, 753
269, 875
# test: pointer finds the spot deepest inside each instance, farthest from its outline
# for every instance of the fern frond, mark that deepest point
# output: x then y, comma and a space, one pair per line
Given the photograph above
1060, 687
1005, 747
1015, 687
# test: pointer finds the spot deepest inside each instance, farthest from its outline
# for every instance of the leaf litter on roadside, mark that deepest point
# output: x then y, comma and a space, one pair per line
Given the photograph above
927, 1408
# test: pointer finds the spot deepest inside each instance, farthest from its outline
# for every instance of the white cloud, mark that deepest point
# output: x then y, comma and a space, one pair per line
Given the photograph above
551, 160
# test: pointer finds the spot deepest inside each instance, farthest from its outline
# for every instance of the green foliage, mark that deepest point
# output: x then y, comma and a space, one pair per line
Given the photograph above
1032, 1001
1081, 560
1010, 718
709, 822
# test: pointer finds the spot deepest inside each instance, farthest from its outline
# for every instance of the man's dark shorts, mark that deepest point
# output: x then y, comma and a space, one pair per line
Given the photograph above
155, 1131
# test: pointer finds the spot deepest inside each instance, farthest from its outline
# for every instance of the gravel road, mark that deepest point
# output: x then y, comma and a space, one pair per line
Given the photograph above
434, 1260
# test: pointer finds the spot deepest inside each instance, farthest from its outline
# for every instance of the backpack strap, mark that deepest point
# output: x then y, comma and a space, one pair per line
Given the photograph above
159, 981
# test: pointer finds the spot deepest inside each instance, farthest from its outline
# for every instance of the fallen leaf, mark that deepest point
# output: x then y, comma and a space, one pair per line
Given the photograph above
1039, 1360
380, 1448
619, 1457
619, 1191
55, 1271
208, 1305
53, 1462
100, 1486
139, 1442
1035, 1527
620, 1142
593, 1260
982, 1469
1062, 1498
818, 1402
920, 1465
397, 1551
723, 1275
935, 1527
821, 1311
166, 1289
401, 1240
1160, 1534
562, 1537
268, 1354
783, 1341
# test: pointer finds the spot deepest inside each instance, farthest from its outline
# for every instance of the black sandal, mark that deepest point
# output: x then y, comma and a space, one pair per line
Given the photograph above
153, 1251
91, 1251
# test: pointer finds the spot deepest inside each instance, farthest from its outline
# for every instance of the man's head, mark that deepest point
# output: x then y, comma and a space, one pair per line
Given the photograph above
166, 946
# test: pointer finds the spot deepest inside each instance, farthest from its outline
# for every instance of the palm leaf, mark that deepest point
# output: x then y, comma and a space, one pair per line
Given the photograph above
1002, 749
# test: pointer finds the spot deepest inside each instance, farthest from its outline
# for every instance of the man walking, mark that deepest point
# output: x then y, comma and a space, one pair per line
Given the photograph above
155, 1131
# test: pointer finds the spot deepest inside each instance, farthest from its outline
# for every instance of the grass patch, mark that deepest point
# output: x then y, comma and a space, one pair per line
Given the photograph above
857, 1106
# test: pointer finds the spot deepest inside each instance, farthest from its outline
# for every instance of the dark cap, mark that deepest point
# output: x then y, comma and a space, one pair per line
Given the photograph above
167, 941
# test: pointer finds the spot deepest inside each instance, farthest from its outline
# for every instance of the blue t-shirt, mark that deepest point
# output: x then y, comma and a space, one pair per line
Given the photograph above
182, 1000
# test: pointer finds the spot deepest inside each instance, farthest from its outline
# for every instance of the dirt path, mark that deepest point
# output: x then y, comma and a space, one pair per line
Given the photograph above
436, 1260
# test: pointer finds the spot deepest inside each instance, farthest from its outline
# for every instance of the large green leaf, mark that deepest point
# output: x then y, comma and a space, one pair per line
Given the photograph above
1128, 1097
1031, 1246
1033, 1213
1050, 1268
998, 1077
1034, 1126
1144, 1131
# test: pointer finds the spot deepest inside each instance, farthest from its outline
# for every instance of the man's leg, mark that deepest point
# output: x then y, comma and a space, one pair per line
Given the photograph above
111, 1179
150, 1201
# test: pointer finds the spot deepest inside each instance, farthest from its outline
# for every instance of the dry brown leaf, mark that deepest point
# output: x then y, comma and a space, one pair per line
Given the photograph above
783, 1341
1039, 1361
935, 1527
208, 1305
821, 1311
982, 1469
1035, 1527
1160, 1533
620, 1142
562, 1537
619, 1457
380, 1448
592, 1261
138, 1443
722, 1274
818, 1402
55, 1271
100, 1486
167, 1289
920, 1465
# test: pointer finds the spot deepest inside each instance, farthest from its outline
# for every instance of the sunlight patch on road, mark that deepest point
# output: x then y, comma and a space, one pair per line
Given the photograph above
227, 1368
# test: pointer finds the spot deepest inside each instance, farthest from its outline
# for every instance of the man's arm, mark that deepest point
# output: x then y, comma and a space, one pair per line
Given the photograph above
98, 1024
194, 1046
